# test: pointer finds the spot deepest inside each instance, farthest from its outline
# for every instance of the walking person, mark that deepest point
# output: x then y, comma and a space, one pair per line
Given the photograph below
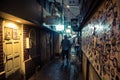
65, 45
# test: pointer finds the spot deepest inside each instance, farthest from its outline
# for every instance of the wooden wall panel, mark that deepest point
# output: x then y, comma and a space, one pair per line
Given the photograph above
43, 45
2, 74
84, 67
56, 43
32, 59
30, 68
46, 45
51, 45
26, 34
43, 49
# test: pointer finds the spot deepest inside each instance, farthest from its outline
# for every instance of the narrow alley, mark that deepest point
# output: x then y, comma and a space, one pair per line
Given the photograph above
36, 37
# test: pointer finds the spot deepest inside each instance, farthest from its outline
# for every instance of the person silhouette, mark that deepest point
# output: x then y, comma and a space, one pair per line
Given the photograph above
65, 45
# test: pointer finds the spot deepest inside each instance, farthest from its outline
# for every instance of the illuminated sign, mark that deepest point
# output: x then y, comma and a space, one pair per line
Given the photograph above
59, 27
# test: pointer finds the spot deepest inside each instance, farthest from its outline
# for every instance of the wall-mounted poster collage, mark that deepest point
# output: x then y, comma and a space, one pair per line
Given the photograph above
101, 40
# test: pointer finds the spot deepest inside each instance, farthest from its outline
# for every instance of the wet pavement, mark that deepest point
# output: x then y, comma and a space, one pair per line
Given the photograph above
56, 70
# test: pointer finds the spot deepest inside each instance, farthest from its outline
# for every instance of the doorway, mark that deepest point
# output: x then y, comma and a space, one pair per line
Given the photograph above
12, 48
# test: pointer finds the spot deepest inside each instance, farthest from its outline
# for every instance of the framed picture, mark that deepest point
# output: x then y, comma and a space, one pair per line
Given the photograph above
15, 34
7, 33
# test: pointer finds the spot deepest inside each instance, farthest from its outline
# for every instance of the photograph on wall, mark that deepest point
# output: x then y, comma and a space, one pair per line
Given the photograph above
7, 33
15, 34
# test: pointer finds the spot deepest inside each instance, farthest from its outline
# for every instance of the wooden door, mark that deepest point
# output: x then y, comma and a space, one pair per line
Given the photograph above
12, 56
11, 49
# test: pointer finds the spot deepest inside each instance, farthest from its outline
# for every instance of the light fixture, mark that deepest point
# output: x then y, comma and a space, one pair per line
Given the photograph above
11, 25
68, 30
68, 6
59, 27
69, 26
18, 21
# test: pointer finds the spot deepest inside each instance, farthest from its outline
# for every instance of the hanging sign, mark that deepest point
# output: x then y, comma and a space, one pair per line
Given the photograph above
74, 24
52, 20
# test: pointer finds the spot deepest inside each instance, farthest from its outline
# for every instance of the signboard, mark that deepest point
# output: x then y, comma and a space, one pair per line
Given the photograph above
51, 0
52, 20
74, 24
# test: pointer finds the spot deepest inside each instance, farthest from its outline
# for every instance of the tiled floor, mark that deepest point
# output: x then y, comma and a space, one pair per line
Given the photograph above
56, 71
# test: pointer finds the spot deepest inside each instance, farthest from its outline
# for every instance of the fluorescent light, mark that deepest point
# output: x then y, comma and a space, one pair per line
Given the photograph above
59, 27
68, 30
69, 26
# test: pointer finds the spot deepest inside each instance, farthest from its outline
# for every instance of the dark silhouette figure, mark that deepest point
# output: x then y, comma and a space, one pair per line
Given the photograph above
65, 45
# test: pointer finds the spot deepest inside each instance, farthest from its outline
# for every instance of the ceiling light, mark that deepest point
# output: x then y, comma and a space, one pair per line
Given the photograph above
18, 21
11, 25
68, 6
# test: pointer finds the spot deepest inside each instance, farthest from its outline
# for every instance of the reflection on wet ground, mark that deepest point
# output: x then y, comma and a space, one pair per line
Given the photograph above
56, 70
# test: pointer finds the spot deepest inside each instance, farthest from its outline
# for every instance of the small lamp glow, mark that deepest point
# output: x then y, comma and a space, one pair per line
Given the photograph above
68, 6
